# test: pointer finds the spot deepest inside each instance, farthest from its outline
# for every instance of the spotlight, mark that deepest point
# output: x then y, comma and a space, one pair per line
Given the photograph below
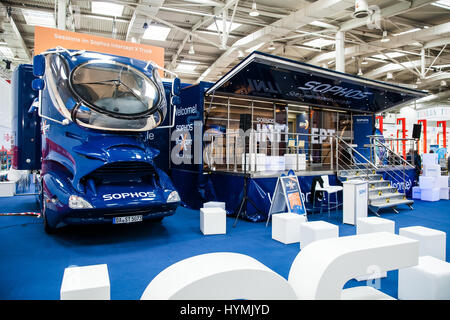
254, 12
191, 49
385, 38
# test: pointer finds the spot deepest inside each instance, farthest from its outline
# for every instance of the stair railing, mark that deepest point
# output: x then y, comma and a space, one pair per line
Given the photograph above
391, 173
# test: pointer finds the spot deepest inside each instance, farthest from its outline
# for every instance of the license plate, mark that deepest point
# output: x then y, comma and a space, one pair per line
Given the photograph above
129, 219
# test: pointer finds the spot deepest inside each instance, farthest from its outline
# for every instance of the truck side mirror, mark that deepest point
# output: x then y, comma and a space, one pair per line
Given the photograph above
176, 87
38, 65
38, 84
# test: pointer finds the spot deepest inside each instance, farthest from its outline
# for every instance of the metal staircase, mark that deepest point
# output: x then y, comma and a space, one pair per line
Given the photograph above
382, 194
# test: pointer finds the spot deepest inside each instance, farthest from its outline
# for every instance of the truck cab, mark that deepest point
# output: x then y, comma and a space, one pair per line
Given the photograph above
89, 116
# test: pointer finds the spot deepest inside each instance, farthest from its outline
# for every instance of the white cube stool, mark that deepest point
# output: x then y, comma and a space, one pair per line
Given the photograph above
214, 204
213, 221
416, 192
429, 194
442, 181
316, 230
374, 224
431, 170
427, 182
429, 280
86, 283
431, 242
286, 227
444, 193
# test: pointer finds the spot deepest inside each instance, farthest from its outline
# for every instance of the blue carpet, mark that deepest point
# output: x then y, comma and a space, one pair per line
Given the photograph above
32, 263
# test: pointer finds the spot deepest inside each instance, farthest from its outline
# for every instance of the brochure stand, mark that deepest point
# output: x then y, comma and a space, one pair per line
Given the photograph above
287, 194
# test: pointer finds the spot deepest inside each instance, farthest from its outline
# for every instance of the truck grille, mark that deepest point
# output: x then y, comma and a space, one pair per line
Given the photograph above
123, 171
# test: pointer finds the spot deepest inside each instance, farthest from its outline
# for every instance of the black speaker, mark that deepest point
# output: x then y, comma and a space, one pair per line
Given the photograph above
417, 129
245, 121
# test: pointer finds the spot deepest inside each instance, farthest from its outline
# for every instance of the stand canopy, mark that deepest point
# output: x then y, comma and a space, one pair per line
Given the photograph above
261, 75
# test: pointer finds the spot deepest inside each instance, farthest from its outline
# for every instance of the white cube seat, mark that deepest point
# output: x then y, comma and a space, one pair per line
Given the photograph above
442, 181
430, 194
286, 227
431, 242
374, 224
429, 158
214, 204
316, 230
431, 170
416, 192
86, 283
444, 193
427, 182
429, 280
213, 221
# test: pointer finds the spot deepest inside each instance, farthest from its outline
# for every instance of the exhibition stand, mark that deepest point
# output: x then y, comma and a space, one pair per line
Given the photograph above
276, 92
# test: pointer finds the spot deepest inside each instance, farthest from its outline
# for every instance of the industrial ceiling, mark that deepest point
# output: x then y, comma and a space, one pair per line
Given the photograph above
402, 42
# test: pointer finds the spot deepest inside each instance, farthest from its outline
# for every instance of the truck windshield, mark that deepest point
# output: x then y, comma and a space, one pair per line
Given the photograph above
106, 95
115, 89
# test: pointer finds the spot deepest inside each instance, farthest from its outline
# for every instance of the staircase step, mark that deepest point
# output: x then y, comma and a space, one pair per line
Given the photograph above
389, 195
375, 191
392, 203
370, 177
378, 183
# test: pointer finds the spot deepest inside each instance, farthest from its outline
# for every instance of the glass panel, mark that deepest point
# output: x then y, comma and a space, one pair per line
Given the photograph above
115, 88
60, 75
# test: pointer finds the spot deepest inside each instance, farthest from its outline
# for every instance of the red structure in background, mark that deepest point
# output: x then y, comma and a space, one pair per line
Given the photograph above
403, 130
442, 124
424, 136
380, 123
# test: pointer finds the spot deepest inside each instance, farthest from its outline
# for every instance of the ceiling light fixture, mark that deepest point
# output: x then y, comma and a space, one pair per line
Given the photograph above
407, 31
360, 73
442, 4
107, 8
7, 52
271, 46
254, 12
389, 76
385, 38
390, 55
319, 43
364, 61
155, 32
39, 18
191, 49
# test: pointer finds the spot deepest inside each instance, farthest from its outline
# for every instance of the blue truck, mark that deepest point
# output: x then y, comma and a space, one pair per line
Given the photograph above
85, 121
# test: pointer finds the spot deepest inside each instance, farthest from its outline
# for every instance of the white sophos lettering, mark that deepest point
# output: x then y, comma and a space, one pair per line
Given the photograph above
124, 195
319, 87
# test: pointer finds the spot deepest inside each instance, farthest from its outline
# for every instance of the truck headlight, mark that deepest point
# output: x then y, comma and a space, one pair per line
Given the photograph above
76, 202
173, 197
